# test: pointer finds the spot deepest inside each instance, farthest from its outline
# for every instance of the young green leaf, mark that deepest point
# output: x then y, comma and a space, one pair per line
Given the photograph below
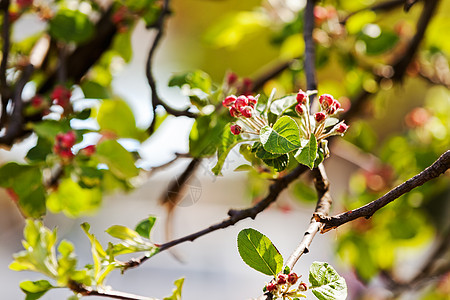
258, 252
229, 140
279, 106
71, 26
326, 283
145, 227
132, 241
176, 294
307, 154
276, 161
282, 138
35, 289
117, 158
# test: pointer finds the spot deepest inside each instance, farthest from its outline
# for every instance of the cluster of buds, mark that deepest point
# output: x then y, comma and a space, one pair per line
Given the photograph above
328, 108
283, 286
63, 144
232, 84
243, 108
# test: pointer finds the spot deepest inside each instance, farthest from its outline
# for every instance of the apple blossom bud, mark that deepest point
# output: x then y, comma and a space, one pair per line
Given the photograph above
299, 109
246, 111
235, 129
326, 100
342, 128
234, 112
319, 116
229, 101
292, 278
301, 97
241, 101
282, 279
271, 287
252, 101
231, 78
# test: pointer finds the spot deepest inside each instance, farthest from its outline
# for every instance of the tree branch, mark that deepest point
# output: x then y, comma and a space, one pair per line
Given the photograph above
324, 201
401, 62
310, 57
234, 215
261, 79
383, 6
440, 166
4, 6
156, 99
15, 125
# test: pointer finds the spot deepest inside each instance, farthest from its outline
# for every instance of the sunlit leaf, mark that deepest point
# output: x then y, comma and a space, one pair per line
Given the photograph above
282, 138
326, 282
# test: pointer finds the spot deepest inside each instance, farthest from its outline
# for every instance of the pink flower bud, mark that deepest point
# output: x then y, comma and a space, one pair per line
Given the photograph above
301, 97
319, 116
231, 78
271, 287
246, 111
337, 104
326, 100
282, 279
299, 109
331, 110
66, 153
342, 128
235, 129
229, 101
292, 278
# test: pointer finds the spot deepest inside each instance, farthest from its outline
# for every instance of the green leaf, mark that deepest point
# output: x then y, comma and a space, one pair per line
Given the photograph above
195, 80
206, 135
26, 182
282, 138
258, 252
132, 241
48, 129
277, 161
35, 289
326, 283
71, 26
229, 140
94, 90
73, 200
117, 158
176, 294
279, 106
116, 116
307, 154
145, 227
383, 42
39, 152
122, 45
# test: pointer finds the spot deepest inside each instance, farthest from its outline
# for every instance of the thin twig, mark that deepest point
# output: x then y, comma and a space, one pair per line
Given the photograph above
440, 166
234, 215
88, 291
262, 78
324, 201
383, 6
156, 99
6, 45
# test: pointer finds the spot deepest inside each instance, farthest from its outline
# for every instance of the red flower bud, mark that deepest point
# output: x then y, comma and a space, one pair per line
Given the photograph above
246, 111
302, 287
282, 279
66, 153
271, 287
231, 78
88, 150
236, 129
342, 128
37, 101
326, 100
331, 110
337, 104
299, 109
229, 101
234, 112
301, 97
319, 116
24, 3
252, 101
241, 101
61, 95
292, 278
